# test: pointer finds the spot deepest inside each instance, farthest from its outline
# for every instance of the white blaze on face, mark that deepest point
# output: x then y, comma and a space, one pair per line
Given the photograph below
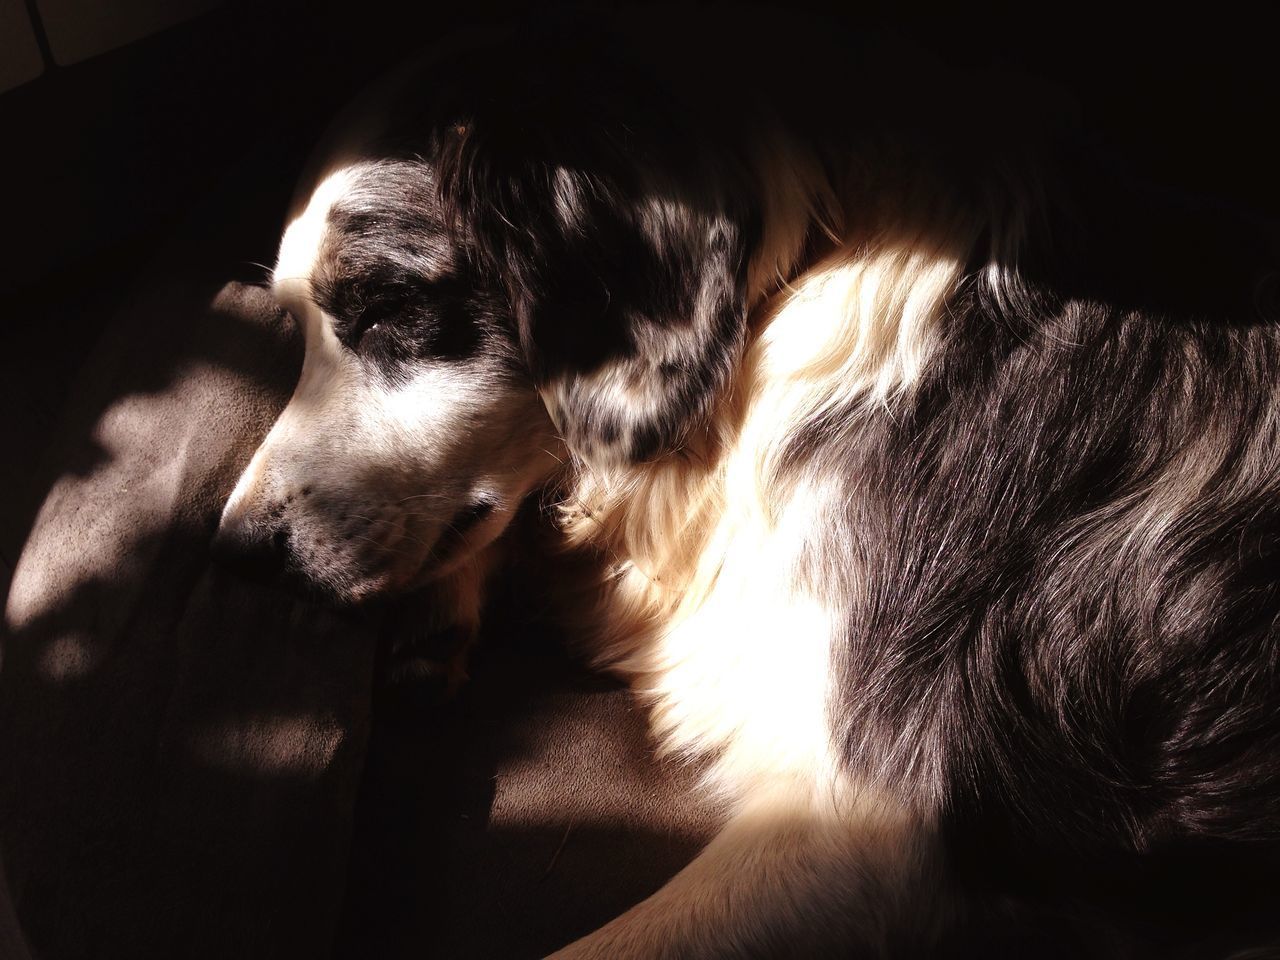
368, 479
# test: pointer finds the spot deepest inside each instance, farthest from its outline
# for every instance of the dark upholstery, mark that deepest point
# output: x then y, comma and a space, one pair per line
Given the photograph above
181, 750
188, 763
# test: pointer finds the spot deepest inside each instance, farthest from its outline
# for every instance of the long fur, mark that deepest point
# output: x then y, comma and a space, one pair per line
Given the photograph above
929, 515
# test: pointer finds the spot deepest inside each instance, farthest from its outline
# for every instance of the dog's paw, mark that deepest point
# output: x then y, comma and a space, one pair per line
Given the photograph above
428, 638
428, 663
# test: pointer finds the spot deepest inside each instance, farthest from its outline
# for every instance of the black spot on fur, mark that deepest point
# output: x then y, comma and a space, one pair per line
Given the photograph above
622, 241
392, 278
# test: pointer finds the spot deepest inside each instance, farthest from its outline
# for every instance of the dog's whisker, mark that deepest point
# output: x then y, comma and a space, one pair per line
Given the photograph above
426, 496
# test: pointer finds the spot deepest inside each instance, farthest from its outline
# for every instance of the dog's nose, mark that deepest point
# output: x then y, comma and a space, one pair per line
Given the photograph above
256, 551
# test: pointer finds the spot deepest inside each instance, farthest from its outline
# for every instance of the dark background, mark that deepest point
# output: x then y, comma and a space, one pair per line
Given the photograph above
114, 150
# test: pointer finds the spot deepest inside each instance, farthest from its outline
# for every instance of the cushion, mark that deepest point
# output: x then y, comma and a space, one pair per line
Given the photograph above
199, 766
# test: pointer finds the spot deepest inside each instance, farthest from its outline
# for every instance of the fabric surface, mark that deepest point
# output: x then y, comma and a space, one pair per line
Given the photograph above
181, 750
507, 823
197, 766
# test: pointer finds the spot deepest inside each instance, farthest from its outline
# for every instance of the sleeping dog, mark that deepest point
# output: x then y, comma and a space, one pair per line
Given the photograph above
930, 479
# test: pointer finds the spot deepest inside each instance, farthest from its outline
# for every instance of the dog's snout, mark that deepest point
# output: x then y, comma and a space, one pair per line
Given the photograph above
257, 551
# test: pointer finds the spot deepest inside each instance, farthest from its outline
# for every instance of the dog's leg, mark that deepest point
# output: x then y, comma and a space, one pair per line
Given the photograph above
430, 636
795, 873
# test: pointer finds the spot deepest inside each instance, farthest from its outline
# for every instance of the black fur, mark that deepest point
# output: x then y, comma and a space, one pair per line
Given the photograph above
1068, 539
396, 284
585, 187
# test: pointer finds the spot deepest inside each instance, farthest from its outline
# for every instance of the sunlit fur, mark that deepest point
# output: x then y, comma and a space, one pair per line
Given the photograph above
708, 614
709, 529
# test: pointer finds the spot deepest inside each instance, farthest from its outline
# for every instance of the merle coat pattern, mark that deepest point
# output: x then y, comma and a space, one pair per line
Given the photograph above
932, 474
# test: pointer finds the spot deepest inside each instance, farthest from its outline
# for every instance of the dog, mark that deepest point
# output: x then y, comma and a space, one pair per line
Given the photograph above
933, 497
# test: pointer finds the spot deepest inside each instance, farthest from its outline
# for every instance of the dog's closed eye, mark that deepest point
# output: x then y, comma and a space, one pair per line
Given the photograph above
367, 322
399, 319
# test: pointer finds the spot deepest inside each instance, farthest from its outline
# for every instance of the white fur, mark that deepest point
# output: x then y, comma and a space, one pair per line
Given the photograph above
707, 615
371, 472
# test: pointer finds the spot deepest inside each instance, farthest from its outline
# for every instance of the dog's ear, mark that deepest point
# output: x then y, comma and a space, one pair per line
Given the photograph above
621, 238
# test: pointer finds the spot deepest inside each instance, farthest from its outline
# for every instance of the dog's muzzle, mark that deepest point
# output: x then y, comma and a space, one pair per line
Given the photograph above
252, 547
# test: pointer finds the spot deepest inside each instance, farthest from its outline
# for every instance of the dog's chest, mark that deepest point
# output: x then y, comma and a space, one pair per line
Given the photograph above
740, 667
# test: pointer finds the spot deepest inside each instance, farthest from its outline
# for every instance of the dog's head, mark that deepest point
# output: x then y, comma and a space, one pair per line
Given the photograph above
559, 256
